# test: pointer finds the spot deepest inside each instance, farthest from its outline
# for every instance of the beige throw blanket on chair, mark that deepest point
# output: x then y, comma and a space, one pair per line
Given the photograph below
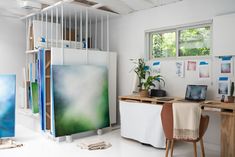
186, 120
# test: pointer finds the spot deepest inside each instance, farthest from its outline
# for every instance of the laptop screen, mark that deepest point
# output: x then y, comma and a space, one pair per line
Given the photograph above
196, 92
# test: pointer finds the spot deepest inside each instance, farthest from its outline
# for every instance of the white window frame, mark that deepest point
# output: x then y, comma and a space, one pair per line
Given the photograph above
176, 29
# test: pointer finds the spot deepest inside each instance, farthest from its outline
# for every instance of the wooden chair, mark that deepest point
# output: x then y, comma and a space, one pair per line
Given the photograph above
167, 123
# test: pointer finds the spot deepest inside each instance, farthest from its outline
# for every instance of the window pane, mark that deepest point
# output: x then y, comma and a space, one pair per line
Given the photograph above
195, 42
163, 44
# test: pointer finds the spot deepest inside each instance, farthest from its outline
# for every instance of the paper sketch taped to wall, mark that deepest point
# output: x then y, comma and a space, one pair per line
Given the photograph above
156, 68
223, 86
180, 68
191, 66
204, 70
226, 65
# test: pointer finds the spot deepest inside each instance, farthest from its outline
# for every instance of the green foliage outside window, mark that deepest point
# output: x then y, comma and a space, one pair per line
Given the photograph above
194, 42
164, 45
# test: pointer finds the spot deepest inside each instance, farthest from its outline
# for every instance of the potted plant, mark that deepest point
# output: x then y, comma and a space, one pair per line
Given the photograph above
146, 81
140, 69
231, 97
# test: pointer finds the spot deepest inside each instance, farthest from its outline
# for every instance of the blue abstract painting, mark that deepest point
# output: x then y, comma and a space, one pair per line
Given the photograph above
41, 83
7, 105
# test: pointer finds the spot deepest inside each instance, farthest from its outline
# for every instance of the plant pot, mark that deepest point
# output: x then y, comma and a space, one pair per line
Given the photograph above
144, 93
231, 99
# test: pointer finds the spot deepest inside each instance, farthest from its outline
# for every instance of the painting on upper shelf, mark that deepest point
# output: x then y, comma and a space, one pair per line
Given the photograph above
7, 105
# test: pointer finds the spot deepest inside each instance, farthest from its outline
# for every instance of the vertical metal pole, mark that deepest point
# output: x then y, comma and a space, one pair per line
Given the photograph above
81, 29
62, 27
102, 33
75, 28
89, 32
65, 28
52, 40
70, 28
96, 32
46, 31
27, 34
62, 23
108, 33
57, 14
86, 29
41, 25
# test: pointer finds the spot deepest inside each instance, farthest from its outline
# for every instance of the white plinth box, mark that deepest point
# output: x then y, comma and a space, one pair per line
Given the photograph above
142, 122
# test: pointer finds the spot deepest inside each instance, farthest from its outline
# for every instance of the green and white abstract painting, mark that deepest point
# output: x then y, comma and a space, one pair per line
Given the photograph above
80, 98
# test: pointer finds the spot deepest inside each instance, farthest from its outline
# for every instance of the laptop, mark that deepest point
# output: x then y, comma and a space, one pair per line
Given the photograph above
195, 93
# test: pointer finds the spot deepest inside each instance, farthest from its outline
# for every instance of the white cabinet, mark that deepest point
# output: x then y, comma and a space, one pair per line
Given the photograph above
224, 35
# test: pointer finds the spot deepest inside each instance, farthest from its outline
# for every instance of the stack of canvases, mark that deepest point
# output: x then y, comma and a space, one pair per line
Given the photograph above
31, 87
79, 96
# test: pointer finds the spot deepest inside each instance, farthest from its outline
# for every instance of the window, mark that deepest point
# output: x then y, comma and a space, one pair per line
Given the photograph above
186, 41
163, 44
194, 41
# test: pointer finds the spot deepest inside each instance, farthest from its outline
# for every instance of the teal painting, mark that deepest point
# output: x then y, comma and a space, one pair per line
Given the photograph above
80, 98
7, 105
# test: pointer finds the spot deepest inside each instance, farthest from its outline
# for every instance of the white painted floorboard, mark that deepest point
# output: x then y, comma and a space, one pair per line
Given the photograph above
37, 145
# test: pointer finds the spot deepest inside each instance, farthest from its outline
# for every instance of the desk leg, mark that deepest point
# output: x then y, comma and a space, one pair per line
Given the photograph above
227, 136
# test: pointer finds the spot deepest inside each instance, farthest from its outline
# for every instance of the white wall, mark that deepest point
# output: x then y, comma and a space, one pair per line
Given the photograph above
12, 48
127, 37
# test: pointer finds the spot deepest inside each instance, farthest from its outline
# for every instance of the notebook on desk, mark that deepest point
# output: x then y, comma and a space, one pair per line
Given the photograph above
195, 93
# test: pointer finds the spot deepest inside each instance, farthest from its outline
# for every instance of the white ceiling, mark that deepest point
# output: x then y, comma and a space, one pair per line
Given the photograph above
12, 7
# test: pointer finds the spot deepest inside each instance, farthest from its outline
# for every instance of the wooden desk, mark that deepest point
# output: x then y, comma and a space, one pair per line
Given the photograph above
225, 110
227, 126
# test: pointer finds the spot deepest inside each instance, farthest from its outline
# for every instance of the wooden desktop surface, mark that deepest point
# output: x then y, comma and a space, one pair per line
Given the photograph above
208, 103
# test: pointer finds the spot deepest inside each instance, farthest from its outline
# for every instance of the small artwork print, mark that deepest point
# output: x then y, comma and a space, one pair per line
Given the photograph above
180, 68
191, 65
226, 65
204, 72
226, 68
156, 68
7, 105
223, 88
